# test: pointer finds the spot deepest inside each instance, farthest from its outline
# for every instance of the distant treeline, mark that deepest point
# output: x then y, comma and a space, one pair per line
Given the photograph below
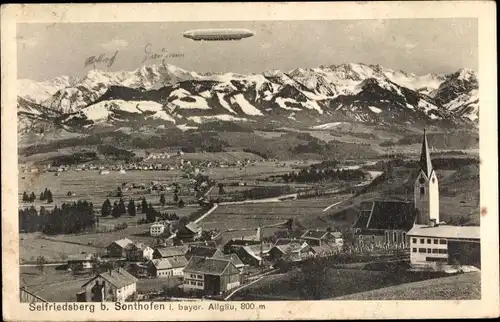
70, 218
437, 163
316, 175
72, 159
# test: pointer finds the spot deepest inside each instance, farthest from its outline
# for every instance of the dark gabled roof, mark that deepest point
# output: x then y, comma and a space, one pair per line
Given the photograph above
397, 215
123, 243
172, 251
240, 242
201, 251
314, 234
207, 243
284, 241
233, 258
209, 266
116, 277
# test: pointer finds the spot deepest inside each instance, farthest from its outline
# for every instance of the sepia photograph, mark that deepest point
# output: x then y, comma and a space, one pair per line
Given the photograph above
226, 165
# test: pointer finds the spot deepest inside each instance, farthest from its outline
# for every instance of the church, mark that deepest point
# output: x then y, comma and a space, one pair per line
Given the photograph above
417, 224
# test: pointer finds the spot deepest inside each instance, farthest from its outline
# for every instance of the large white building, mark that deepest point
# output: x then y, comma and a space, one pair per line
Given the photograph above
432, 244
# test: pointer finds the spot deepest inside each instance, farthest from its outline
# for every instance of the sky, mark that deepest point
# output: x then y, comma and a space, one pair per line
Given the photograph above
420, 46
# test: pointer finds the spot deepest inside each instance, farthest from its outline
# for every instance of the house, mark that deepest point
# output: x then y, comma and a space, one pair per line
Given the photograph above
138, 252
211, 275
202, 251
111, 286
317, 237
80, 261
118, 248
233, 245
291, 252
167, 267
173, 251
437, 246
233, 258
384, 222
251, 254
158, 229
189, 232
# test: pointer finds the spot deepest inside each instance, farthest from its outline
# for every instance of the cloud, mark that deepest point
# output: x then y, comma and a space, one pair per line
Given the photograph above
115, 44
29, 42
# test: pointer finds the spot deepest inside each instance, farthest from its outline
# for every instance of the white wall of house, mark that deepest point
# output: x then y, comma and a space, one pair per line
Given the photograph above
423, 248
147, 253
194, 281
156, 229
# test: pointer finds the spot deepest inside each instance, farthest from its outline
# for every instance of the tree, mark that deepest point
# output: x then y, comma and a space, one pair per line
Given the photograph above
32, 197
49, 197
314, 277
25, 196
121, 206
40, 263
144, 205
116, 212
106, 208
131, 208
176, 197
162, 199
221, 188
150, 213
181, 203
42, 196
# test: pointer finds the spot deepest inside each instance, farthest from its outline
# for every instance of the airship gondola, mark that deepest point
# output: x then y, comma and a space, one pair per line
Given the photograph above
218, 34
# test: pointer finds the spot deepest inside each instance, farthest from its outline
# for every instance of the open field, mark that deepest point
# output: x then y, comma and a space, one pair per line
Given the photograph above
336, 282
460, 287
230, 217
31, 246
93, 187
53, 285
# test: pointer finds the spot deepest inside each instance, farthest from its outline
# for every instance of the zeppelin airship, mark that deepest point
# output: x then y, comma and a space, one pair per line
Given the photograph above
218, 34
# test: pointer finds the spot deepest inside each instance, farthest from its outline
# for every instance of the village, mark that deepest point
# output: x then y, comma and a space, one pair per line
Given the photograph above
196, 263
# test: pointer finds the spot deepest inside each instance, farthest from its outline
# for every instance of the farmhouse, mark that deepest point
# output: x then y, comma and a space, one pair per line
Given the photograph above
317, 237
118, 248
233, 258
112, 286
167, 267
211, 275
80, 261
233, 245
251, 254
138, 252
202, 251
291, 252
436, 246
190, 232
173, 251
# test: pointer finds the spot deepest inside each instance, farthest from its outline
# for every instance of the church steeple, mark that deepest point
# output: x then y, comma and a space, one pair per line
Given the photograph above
425, 157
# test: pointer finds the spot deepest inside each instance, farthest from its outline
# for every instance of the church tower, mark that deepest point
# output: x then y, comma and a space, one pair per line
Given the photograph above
426, 189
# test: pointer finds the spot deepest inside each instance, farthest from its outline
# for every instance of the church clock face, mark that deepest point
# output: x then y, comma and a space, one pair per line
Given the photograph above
421, 180
433, 180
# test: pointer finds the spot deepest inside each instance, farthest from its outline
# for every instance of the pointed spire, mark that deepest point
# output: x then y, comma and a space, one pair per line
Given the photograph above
425, 157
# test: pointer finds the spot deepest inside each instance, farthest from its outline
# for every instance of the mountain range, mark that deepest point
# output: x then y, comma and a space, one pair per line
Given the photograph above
167, 96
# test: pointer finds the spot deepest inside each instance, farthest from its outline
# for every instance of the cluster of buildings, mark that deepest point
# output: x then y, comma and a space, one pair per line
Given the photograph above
205, 268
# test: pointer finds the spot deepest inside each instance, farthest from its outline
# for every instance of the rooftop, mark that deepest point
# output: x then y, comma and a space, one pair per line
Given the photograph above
387, 215
210, 266
201, 251
233, 258
116, 277
446, 231
123, 242
172, 251
170, 262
